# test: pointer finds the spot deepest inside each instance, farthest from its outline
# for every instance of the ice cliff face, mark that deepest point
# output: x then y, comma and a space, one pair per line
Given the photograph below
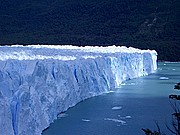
39, 82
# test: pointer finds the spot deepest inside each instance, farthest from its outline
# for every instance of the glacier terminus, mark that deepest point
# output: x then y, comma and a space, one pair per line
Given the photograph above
38, 82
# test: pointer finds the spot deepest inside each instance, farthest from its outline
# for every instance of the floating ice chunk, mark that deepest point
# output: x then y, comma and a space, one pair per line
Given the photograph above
163, 78
128, 84
173, 69
128, 117
131, 84
86, 120
111, 91
117, 108
122, 124
115, 120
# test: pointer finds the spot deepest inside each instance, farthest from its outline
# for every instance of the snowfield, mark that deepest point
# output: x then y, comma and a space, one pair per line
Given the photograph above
39, 82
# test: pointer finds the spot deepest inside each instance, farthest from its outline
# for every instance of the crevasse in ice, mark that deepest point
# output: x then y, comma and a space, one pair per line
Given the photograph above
39, 82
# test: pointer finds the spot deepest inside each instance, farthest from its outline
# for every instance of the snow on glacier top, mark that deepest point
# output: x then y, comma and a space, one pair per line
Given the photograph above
61, 52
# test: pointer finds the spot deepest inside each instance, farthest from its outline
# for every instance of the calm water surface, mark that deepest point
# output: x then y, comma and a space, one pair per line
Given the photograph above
137, 104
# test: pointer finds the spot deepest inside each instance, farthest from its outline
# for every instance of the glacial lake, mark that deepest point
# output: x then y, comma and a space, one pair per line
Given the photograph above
139, 103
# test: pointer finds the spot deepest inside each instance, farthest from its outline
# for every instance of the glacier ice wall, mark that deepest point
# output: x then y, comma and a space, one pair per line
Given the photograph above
39, 82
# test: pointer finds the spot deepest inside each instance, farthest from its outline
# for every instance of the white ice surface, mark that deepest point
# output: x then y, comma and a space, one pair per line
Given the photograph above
39, 82
117, 108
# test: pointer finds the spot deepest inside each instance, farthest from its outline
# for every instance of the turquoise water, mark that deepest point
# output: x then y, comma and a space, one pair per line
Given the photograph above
137, 104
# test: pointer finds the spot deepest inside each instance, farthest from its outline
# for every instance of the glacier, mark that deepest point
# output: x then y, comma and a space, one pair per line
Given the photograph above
38, 82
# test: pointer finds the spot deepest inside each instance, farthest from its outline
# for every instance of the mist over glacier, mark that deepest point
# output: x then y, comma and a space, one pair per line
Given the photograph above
39, 82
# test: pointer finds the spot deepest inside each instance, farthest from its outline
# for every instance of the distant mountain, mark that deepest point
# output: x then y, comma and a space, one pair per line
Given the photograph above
146, 24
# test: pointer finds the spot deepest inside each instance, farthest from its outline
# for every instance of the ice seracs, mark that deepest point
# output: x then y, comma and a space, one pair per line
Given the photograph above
39, 82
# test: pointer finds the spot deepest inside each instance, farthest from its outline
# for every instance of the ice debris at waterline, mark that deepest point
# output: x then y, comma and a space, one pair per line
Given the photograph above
39, 82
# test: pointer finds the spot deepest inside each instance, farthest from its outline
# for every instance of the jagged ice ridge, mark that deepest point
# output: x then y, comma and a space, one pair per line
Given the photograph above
39, 82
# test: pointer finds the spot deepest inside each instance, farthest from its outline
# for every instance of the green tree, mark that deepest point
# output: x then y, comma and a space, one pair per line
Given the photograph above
176, 115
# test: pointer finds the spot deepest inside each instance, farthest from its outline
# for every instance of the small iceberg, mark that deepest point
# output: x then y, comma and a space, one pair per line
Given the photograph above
117, 108
86, 120
128, 84
164, 78
115, 120
126, 117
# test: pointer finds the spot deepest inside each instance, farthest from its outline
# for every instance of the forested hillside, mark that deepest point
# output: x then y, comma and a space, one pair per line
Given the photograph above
147, 24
